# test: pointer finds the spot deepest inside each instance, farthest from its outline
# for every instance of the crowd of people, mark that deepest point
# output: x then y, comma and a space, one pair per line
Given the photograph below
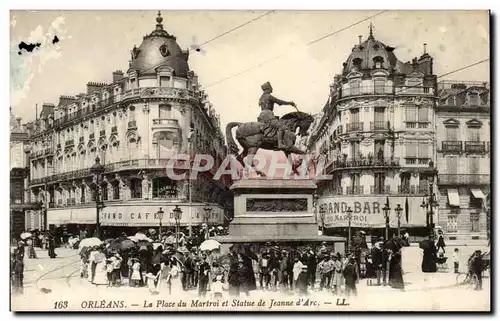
167, 264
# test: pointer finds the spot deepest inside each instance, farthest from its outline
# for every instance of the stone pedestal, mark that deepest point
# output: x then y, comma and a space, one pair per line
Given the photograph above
272, 210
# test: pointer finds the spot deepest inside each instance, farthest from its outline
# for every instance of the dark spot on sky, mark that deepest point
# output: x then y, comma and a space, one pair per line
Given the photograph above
198, 49
55, 40
29, 47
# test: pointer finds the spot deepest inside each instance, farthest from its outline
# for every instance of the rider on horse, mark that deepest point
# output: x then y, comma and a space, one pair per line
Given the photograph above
271, 123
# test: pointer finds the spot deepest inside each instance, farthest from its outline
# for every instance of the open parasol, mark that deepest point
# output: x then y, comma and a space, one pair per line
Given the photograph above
127, 244
142, 237
91, 241
209, 245
25, 235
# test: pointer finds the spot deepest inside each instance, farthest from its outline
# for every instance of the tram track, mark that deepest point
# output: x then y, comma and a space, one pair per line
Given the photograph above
43, 276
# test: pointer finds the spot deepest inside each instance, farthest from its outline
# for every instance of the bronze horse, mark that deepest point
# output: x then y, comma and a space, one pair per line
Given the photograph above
251, 138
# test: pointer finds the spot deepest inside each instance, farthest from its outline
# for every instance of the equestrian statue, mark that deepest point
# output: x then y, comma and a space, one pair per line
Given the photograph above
269, 132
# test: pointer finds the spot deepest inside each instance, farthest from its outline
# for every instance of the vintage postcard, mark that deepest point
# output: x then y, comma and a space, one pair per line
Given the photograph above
250, 161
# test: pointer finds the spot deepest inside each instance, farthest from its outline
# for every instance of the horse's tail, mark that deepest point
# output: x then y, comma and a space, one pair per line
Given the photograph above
231, 144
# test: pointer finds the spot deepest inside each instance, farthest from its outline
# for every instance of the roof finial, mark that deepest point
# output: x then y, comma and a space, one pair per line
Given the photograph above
159, 20
371, 31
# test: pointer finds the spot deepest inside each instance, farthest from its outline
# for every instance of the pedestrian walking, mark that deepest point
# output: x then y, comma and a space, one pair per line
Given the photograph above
456, 261
440, 242
337, 274
204, 277
351, 277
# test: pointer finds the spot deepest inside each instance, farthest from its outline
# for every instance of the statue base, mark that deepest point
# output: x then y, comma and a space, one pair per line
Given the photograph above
274, 210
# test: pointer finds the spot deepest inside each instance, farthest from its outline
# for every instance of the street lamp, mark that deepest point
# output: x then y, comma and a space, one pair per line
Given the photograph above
208, 211
386, 210
97, 170
398, 210
349, 217
177, 216
160, 217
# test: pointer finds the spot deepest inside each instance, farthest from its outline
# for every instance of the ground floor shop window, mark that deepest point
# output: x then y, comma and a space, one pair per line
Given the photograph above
474, 222
452, 224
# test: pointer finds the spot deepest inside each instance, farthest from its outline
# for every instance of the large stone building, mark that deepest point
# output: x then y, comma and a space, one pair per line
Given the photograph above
134, 125
19, 200
377, 130
463, 149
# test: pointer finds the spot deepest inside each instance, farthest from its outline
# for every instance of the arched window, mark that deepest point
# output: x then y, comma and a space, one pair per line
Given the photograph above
378, 62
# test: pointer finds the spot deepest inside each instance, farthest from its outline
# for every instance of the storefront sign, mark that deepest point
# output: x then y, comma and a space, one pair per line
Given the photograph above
367, 211
148, 215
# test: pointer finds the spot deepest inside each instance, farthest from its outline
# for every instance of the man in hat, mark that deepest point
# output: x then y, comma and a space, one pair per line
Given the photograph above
266, 103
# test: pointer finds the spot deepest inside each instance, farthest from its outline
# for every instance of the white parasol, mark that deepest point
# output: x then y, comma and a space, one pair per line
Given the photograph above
92, 241
25, 235
209, 245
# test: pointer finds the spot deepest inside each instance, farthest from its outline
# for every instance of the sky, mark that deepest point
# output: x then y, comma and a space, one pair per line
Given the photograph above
95, 43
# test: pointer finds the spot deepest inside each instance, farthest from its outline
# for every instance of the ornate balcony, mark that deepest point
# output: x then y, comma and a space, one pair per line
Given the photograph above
373, 162
354, 127
165, 123
464, 179
366, 90
354, 190
475, 147
451, 146
380, 189
379, 125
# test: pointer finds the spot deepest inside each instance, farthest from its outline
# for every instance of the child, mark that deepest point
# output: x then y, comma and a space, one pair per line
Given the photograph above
455, 260
135, 278
109, 271
218, 288
151, 281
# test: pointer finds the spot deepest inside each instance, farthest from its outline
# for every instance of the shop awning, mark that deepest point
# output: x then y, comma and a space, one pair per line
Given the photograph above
453, 198
477, 193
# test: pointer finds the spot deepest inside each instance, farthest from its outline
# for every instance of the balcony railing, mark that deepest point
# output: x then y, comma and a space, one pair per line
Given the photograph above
354, 127
354, 190
366, 162
379, 125
464, 179
405, 90
475, 147
70, 142
380, 189
132, 124
367, 90
166, 122
423, 189
71, 201
451, 146
413, 189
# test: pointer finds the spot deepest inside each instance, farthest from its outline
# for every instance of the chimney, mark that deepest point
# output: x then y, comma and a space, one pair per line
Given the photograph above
94, 86
425, 48
360, 37
48, 109
117, 76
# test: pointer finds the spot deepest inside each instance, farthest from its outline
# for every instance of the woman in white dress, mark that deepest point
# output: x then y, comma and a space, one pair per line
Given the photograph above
163, 285
135, 278
101, 275
175, 277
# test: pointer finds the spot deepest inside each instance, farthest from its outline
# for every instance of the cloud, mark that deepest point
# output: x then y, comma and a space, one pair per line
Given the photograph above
24, 67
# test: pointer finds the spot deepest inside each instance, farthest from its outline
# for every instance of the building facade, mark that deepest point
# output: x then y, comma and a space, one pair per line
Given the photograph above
19, 198
464, 150
377, 131
134, 125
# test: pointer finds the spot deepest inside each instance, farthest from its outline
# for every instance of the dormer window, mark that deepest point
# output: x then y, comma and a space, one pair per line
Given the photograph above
357, 63
164, 50
378, 62
474, 99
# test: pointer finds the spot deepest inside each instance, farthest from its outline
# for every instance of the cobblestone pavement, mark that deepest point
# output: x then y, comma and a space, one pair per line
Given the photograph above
423, 292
